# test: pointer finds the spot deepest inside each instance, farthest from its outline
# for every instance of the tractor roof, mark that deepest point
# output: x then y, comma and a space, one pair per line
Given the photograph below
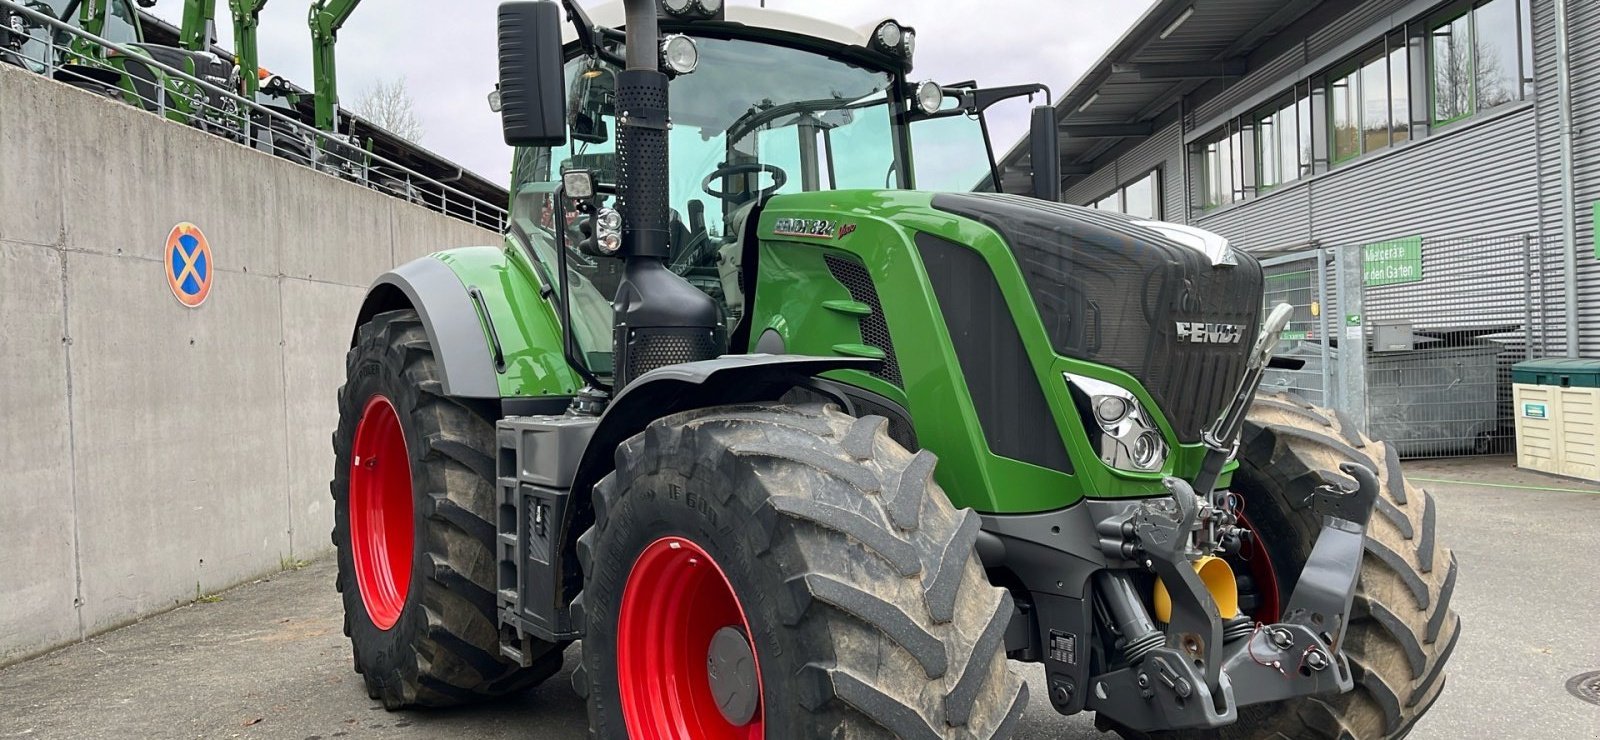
610, 15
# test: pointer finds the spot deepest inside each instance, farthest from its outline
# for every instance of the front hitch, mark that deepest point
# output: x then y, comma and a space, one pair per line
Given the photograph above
1206, 668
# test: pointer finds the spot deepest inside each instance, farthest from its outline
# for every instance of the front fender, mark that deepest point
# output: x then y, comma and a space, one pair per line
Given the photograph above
726, 380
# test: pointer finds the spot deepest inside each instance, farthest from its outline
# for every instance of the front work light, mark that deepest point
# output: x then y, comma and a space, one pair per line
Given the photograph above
889, 35
679, 54
930, 97
693, 9
1120, 429
894, 39
579, 184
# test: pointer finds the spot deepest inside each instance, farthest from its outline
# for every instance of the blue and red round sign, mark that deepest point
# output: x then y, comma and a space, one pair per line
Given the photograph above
189, 268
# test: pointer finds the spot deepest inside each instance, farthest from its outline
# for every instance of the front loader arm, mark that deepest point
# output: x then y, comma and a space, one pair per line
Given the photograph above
199, 28
246, 19
327, 17
92, 19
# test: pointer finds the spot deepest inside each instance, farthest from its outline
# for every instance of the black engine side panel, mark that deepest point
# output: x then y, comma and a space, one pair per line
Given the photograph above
1011, 406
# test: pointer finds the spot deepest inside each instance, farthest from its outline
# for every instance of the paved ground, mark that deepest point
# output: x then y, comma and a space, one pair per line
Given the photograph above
268, 659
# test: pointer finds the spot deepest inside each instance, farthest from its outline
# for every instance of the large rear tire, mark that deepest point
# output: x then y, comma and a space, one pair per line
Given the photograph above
1402, 629
823, 540
414, 500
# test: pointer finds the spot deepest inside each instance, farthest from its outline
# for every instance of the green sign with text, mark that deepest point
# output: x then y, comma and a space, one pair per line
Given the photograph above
1392, 262
1596, 237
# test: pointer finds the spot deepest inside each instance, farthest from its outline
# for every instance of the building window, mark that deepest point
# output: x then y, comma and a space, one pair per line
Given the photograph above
1283, 140
1223, 164
1369, 102
1141, 198
1471, 57
1477, 55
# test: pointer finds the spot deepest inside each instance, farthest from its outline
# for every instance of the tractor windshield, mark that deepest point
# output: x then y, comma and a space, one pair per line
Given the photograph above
754, 120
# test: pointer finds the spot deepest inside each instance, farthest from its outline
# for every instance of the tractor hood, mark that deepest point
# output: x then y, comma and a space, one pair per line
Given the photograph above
1171, 305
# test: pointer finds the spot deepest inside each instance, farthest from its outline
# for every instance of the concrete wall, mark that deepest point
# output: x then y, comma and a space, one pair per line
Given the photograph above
150, 451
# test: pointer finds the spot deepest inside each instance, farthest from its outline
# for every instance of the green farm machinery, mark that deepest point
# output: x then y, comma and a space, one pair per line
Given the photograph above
137, 71
804, 429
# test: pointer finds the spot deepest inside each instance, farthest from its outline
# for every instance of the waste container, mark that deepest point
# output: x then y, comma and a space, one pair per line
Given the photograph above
1558, 416
1441, 396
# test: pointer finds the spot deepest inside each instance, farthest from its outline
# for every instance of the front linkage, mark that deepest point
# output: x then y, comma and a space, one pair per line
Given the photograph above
1204, 668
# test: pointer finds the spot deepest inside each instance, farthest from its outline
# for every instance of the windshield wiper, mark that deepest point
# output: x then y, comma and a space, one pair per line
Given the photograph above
759, 117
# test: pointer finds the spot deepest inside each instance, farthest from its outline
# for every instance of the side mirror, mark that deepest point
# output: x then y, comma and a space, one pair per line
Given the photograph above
533, 85
1045, 150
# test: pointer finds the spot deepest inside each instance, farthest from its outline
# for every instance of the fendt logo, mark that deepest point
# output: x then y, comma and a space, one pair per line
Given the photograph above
1199, 332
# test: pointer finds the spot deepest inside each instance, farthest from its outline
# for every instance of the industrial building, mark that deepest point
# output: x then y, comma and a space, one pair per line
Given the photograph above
1447, 141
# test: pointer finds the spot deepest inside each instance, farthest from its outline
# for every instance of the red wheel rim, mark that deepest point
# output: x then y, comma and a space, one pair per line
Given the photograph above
1265, 578
380, 512
676, 600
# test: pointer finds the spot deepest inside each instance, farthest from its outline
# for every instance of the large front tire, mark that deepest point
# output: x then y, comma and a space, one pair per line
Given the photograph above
414, 500
1402, 629
831, 547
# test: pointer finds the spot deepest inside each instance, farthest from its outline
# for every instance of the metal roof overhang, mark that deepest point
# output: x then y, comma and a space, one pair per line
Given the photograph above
1179, 47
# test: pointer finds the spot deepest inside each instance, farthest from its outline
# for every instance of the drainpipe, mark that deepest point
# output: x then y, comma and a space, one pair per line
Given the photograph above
1569, 195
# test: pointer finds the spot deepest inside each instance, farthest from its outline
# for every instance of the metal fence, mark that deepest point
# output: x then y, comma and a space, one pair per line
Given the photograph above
1413, 338
148, 77
1302, 280
1445, 320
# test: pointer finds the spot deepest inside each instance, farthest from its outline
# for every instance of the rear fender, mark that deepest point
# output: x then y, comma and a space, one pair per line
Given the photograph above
493, 332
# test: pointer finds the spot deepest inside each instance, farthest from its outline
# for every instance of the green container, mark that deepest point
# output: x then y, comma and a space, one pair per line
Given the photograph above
1561, 372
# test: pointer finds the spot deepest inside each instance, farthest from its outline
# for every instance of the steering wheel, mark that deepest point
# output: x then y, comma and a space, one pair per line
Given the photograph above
779, 179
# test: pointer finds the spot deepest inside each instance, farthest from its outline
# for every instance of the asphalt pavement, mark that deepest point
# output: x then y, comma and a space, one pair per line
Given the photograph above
268, 660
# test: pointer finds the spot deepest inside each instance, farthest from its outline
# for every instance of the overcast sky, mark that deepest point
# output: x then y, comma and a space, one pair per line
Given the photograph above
445, 49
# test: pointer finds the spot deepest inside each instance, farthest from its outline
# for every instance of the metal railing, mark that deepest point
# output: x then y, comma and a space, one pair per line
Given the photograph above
131, 74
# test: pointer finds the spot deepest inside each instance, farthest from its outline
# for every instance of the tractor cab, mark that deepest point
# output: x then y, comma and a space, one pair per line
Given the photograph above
764, 104
28, 43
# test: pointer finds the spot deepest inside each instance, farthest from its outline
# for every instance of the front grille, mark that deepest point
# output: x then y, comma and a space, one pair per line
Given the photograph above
1112, 292
874, 327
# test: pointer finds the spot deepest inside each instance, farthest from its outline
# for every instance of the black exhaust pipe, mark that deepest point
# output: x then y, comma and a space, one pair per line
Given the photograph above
660, 319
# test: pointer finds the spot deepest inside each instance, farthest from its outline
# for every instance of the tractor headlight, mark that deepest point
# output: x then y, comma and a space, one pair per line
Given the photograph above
608, 232
1119, 427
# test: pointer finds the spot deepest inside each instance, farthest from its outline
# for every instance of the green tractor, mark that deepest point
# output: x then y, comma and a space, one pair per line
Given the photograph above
689, 414
129, 74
